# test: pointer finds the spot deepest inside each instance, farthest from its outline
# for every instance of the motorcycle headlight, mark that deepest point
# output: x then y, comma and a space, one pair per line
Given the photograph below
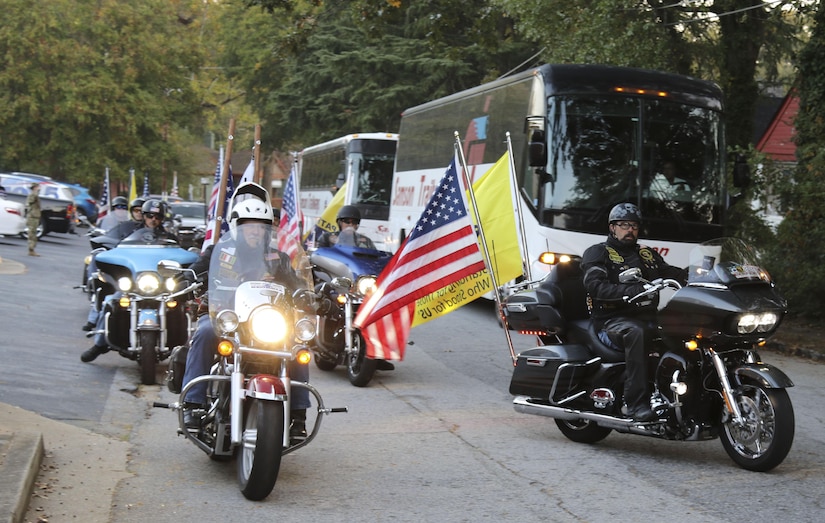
305, 329
170, 284
268, 325
365, 285
756, 322
148, 283
227, 321
124, 283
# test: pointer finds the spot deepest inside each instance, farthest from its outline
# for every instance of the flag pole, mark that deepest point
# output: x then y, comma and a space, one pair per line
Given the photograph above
525, 257
257, 175
222, 187
484, 249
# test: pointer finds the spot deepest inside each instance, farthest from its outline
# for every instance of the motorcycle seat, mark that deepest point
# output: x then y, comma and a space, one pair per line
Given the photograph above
585, 333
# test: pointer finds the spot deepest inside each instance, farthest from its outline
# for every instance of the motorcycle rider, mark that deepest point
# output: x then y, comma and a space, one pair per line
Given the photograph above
153, 213
120, 206
349, 217
627, 326
204, 342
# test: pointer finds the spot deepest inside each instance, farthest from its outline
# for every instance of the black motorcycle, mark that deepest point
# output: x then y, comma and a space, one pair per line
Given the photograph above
707, 379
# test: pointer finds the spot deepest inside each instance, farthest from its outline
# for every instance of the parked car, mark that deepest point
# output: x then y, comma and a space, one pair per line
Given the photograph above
12, 219
84, 202
56, 201
189, 222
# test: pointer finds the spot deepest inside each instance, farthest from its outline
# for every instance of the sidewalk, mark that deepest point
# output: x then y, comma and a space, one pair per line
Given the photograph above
53, 471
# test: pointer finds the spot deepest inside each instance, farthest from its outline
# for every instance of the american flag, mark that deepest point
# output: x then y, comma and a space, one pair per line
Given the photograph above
103, 202
289, 229
441, 250
145, 184
209, 237
174, 192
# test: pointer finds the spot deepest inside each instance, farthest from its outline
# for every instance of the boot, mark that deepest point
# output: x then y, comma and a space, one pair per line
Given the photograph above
298, 430
93, 353
32, 253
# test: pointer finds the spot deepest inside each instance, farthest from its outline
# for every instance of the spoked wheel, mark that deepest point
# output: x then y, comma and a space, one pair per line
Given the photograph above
259, 460
764, 438
360, 369
148, 356
582, 431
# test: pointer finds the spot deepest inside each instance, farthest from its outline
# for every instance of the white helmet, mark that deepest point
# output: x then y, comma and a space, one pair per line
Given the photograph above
250, 202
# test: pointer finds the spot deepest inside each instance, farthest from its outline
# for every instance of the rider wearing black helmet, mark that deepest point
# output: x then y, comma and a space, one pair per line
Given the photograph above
118, 213
349, 217
627, 326
136, 209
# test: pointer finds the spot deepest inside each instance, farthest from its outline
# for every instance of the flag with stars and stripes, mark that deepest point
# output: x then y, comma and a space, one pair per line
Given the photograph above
212, 210
441, 250
146, 184
103, 202
289, 229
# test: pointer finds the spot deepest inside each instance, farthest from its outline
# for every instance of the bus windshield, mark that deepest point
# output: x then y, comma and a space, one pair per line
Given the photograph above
371, 164
665, 157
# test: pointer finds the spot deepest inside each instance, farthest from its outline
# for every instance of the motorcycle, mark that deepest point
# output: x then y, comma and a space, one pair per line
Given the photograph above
151, 315
344, 276
261, 328
707, 378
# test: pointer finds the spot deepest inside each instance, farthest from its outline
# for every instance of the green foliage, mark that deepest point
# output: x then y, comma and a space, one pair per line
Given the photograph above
799, 253
85, 85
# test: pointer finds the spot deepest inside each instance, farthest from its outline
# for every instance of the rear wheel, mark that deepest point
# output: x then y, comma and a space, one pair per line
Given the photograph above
259, 460
582, 431
148, 356
360, 369
764, 438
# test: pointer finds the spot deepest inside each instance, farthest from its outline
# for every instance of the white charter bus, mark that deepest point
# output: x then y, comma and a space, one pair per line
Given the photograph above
585, 137
365, 162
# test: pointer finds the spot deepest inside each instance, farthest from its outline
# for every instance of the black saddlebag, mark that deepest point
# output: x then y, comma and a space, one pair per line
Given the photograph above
536, 370
177, 366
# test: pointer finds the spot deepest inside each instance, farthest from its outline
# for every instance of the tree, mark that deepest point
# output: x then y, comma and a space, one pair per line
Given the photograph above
798, 257
90, 84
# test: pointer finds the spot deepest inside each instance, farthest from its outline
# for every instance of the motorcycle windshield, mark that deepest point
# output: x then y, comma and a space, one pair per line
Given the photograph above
248, 254
725, 261
147, 236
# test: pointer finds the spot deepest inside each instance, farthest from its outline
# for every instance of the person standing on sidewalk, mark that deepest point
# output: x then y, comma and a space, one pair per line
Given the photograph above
33, 216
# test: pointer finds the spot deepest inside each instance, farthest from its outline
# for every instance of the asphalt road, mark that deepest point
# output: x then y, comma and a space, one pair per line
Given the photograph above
435, 440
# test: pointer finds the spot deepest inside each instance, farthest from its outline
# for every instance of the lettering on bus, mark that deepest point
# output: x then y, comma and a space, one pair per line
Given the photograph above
664, 251
310, 203
403, 195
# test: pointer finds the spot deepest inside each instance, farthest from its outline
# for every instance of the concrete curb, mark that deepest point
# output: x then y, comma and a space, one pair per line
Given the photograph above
21, 454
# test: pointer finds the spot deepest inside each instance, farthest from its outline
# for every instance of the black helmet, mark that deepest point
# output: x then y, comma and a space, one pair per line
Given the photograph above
350, 212
155, 206
120, 200
137, 202
625, 211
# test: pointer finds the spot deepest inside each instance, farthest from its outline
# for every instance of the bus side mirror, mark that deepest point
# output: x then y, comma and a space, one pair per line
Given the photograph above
741, 172
340, 180
537, 148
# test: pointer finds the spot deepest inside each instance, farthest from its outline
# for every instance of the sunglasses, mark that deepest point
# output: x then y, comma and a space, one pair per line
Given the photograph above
349, 220
627, 225
151, 215
120, 206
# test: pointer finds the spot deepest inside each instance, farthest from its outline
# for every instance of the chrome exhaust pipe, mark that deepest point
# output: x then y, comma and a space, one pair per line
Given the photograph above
524, 405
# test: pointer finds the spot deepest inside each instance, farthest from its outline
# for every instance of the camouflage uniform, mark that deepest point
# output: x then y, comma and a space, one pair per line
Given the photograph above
33, 217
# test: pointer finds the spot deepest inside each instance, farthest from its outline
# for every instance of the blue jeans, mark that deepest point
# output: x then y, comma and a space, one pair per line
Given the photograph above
202, 354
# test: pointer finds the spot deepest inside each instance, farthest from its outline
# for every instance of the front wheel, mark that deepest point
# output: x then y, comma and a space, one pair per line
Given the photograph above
360, 369
262, 445
764, 438
148, 356
582, 431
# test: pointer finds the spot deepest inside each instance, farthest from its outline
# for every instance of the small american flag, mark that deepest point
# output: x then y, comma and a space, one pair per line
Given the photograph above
289, 229
209, 237
103, 202
441, 250
146, 184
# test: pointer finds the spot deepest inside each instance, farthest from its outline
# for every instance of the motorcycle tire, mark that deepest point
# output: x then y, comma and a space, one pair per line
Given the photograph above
360, 369
259, 458
582, 431
325, 364
148, 356
766, 436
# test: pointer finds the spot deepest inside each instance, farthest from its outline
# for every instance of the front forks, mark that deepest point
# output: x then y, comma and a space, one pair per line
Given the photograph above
727, 391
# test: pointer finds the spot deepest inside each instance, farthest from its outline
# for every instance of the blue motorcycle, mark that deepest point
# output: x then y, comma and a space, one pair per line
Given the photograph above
146, 315
344, 276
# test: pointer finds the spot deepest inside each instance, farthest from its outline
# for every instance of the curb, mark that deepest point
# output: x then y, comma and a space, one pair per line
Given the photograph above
21, 454
802, 352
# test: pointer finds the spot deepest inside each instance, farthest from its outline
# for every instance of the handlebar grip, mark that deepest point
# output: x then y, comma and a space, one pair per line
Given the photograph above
160, 404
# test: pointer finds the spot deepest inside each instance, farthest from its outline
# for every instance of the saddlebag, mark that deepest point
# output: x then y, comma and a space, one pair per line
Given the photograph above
537, 369
177, 366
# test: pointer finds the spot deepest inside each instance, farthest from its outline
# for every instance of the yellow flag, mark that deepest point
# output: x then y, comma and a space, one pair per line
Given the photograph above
326, 222
132, 187
498, 220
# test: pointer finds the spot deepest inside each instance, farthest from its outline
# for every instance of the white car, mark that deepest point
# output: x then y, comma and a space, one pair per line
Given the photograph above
12, 219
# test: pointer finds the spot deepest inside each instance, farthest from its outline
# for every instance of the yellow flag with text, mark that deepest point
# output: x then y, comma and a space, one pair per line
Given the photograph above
132, 187
326, 222
498, 220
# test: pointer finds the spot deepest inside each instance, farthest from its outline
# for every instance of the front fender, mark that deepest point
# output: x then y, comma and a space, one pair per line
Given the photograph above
267, 387
762, 374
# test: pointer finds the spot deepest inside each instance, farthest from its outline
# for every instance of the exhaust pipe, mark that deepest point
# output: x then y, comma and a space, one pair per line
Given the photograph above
524, 405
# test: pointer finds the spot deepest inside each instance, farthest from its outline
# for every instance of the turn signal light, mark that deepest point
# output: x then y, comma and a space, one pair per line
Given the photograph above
124, 302
341, 299
225, 348
303, 357
691, 345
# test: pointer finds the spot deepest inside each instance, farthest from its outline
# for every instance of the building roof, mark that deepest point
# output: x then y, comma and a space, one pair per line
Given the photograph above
777, 141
